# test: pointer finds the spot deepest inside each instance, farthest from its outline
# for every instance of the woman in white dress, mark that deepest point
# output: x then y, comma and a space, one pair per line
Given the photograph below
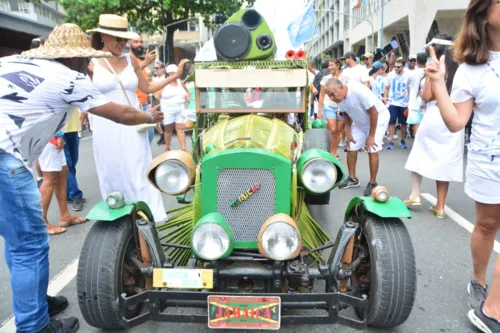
476, 87
174, 100
437, 153
122, 153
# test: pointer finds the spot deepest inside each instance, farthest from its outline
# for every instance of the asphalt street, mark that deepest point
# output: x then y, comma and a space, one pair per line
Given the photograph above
441, 247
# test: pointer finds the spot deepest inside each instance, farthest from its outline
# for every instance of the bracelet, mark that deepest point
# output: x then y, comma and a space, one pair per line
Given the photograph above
152, 119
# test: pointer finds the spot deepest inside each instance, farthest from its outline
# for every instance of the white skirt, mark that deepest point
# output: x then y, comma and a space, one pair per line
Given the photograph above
483, 178
437, 153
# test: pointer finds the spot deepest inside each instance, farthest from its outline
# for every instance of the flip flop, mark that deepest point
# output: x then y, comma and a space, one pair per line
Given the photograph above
74, 221
55, 230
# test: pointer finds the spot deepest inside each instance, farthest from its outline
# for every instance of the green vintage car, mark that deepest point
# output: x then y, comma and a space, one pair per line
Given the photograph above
243, 251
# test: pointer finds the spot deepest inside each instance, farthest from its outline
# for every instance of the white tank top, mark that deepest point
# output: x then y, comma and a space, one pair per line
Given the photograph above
173, 98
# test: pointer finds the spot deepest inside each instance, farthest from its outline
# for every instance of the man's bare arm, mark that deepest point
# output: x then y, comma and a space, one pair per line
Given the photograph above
126, 115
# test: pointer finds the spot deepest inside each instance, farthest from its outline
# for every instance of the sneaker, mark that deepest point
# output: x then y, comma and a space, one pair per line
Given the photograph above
342, 143
390, 146
56, 304
477, 294
479, 319
349, 183
403, 144
69, 325
369, 189
71, 200
77, 205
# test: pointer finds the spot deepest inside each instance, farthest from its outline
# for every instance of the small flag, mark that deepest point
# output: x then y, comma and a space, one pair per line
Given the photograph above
303, 28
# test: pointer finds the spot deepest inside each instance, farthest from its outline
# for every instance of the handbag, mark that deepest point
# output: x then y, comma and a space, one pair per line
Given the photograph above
139, 128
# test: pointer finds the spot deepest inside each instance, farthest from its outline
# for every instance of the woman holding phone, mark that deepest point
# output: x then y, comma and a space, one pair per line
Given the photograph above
475, 87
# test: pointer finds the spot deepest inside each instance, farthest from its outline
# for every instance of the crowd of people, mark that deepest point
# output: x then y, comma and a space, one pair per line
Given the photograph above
48, 91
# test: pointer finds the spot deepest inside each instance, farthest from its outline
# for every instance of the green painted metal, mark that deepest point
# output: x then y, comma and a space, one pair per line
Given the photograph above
319, 123
218, 219
315, 153
246, 158
393, 208
102, 212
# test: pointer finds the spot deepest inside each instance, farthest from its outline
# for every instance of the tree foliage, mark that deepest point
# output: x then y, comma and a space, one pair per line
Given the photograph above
149, 16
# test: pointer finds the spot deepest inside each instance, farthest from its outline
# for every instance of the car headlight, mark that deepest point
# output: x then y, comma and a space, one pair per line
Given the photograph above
380, 194
279, 238
172, 172
319, 176
319, 171
212, 237
115, 200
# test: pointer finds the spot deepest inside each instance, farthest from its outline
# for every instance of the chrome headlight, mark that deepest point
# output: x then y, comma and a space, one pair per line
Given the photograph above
319, 175
212, 237
380, 194
279, 238
115, 200
172, 177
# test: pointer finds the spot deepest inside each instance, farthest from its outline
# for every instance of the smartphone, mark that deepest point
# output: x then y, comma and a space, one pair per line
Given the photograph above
187, 68
151, 48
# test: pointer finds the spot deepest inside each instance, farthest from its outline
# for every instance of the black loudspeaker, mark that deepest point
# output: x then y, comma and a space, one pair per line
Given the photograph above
232, 41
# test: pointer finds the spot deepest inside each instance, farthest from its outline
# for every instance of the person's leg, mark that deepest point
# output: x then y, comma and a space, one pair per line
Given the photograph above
71, 152
352, 159
334, 136
65, 216
169, 130
392, 125
416, 184
179, 129
47, 190
442, 191
483, 238
374, 163
492, 304
26, 244
415, 129
402, 121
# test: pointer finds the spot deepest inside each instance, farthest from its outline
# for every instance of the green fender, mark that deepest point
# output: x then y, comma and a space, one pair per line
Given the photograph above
102, 212
392, 208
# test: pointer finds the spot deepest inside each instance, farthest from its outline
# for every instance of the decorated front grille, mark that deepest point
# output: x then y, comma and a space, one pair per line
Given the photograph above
246, 198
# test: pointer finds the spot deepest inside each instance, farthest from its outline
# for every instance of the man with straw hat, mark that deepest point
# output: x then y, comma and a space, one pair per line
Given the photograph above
37, 91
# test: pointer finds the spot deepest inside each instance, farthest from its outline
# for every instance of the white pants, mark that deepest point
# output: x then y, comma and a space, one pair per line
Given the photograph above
360, 133
52, 160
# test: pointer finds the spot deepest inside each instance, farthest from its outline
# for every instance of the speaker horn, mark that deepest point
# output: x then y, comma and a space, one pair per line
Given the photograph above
290, 55
301, 55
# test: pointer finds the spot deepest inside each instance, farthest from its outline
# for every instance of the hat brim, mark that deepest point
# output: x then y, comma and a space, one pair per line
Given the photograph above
56, 53
121, 34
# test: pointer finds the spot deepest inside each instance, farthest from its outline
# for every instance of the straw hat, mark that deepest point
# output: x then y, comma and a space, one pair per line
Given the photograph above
66, 41
114, 25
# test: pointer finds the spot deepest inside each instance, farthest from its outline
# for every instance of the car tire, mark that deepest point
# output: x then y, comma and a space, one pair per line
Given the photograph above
99, 279
393, 283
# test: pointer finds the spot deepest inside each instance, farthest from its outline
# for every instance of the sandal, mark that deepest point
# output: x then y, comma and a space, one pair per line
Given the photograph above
74, 221
438, 213
55, 229
413, 202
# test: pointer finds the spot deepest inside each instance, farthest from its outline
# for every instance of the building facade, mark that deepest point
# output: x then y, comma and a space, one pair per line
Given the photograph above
412, 22
21, 21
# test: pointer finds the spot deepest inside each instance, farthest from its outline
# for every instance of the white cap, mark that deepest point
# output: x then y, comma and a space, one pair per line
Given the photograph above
171, 68
412, 56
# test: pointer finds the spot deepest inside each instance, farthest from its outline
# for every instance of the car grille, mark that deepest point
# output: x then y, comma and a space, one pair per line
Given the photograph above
247, 218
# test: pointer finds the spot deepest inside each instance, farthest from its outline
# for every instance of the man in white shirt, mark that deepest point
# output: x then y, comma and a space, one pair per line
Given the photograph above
396, 95
38, 90
366, 120
354, 71
416, 106
367, 59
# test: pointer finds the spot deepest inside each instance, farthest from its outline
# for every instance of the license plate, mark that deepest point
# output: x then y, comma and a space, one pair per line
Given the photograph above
178, 278
244, 312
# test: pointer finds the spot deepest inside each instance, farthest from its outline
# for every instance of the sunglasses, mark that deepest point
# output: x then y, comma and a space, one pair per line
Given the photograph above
413, 60
119, 39
398, 67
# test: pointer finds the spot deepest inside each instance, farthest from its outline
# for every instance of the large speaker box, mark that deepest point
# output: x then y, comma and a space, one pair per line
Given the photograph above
245, 36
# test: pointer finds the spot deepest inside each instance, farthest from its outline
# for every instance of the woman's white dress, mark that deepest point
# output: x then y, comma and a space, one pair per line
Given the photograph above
122, 154
437, 153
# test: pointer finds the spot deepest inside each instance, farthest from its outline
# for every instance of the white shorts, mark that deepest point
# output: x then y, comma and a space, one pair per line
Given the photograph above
173, 116
482, 178
360, 133
51, 159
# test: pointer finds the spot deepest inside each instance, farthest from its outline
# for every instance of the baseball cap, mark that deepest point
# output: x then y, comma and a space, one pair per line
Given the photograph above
377, 65
171, 68
412, 57
368, 55
348, 55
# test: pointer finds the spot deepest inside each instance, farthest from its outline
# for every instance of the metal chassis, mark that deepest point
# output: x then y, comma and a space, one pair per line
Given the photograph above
155, 301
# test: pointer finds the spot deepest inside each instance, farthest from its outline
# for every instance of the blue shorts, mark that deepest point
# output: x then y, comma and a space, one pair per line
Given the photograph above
397, 112
330, 112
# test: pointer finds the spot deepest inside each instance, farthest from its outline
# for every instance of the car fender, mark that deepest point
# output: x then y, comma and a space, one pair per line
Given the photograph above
392, 208
102, 212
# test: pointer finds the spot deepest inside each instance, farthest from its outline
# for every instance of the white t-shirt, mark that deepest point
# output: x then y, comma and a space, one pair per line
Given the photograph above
415, 101
398, 88
357, 102
357, 73
37, 97
481, 84
378, 85
327, 101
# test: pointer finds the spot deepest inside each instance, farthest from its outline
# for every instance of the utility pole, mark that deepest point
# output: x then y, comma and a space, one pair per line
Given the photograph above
381, 34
